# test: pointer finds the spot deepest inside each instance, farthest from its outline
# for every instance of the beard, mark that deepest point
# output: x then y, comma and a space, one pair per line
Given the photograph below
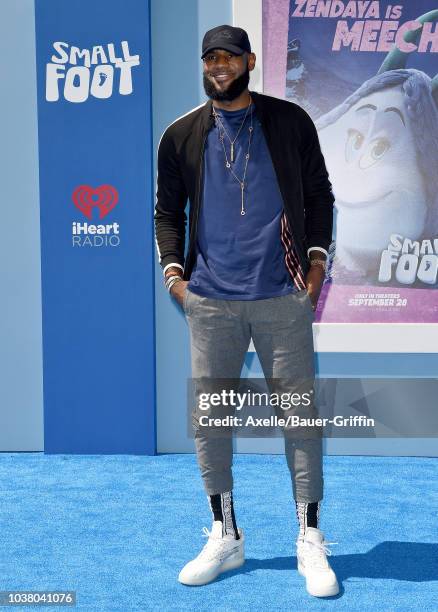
232, 92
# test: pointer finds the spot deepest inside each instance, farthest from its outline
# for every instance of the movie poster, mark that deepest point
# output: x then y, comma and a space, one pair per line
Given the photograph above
367, 74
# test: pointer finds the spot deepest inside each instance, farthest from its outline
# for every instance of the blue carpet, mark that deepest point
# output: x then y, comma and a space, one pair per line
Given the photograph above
117, 529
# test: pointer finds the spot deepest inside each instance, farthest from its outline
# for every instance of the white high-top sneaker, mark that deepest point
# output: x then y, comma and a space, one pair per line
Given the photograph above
220, 553
313, 565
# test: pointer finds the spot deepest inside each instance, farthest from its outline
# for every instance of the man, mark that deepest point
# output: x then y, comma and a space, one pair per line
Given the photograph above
260, 221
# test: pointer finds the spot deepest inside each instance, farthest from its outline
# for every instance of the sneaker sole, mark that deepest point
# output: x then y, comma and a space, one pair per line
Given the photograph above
233, 562
327, 592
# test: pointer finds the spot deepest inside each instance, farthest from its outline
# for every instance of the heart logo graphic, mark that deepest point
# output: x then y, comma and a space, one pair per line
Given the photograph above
104, 197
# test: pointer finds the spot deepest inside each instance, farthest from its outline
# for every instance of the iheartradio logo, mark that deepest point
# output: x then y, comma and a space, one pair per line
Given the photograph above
87, 199
104, 198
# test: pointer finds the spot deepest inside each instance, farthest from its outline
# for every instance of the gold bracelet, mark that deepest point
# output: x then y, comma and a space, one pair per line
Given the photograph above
319, 262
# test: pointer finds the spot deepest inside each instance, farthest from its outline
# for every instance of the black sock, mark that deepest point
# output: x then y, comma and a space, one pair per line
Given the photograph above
222, 507
308, 515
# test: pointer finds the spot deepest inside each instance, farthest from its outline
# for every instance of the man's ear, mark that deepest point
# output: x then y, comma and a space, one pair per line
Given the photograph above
251, 61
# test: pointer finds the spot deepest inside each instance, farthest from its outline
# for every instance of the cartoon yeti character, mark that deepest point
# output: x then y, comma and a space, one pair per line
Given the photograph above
381, 151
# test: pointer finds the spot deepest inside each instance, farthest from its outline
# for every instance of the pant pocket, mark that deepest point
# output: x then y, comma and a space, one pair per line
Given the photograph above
185, 300
306, 303
310, 306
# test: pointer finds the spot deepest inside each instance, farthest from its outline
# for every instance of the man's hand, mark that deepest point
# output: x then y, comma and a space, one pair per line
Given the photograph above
314, 282
178, 291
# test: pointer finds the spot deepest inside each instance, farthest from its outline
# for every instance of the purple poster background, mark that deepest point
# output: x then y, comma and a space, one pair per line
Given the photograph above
275, 31
367, 75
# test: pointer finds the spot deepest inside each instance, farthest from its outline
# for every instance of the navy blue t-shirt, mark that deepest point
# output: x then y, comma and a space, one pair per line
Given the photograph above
239, 257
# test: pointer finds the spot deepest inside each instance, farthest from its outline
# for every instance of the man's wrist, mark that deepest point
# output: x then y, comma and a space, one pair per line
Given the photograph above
317, 259
171, 280
172, 272
318, 263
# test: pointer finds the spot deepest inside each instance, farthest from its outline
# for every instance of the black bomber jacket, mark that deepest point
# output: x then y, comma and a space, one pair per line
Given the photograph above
299, 165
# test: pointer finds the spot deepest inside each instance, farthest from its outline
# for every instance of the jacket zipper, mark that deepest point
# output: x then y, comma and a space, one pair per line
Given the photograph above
194, 228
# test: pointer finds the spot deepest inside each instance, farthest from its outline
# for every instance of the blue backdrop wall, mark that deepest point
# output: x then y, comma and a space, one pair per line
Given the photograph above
94, 120
176, 79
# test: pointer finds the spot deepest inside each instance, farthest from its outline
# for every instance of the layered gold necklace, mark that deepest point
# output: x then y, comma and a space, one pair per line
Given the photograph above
222, 133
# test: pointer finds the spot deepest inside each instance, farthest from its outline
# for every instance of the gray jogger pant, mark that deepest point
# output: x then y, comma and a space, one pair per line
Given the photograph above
281, 329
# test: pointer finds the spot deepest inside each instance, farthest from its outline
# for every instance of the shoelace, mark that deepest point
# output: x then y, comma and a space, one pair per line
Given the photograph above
318, 551
212, 547
206, 533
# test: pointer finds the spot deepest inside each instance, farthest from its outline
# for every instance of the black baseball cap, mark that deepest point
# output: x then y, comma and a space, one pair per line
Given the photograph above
226, 37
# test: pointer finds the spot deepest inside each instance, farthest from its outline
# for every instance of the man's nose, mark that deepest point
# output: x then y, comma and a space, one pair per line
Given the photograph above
221, 61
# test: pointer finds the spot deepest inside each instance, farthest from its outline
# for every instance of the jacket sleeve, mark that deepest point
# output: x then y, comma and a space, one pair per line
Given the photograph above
171, 198
317, 188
